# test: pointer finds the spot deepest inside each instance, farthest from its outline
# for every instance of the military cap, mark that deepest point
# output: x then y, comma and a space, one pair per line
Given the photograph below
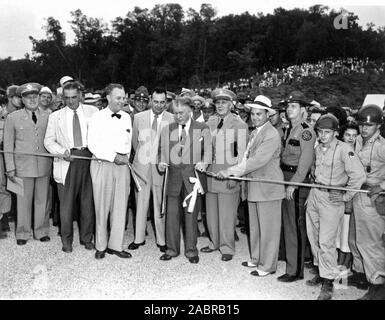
261, 102
224, 94
141, 93
31, 87
187, 92
199, 98
12, 91
297, 96
171, 95
209, 104
241, 96
65, 79
327, 121
45, 90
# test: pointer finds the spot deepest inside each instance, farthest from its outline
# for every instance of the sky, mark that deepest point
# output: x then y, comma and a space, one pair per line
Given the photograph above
20, 19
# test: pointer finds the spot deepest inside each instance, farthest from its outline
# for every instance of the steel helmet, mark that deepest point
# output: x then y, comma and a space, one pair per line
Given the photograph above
327, 121
369, 114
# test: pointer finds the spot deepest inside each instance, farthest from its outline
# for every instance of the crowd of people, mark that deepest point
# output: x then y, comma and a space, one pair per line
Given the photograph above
321, 69
305, 183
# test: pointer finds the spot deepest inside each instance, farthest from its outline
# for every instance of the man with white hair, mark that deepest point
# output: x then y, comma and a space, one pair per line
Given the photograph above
260, 160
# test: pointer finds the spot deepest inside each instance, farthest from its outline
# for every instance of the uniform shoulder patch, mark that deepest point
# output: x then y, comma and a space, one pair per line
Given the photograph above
304, 125
351, 154
307, 135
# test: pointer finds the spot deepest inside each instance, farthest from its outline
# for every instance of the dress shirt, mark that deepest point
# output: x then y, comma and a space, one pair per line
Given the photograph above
160, 118
186, 128
108, 136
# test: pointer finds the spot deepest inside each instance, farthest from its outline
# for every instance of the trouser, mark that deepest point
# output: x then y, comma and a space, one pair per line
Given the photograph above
175, 217
5, 196
357, 264
323, 218
142, 200
35, 193
370, 227
76, 196
265, 227
221, 220
111, 185
294, 230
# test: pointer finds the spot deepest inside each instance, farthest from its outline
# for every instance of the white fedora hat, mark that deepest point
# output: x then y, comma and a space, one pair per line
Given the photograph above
261, 102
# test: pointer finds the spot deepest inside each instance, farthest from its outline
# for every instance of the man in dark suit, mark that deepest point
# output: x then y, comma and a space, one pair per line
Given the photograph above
185, 146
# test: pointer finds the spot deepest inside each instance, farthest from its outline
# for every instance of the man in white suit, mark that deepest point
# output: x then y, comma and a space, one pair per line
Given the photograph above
66, 134
145, 139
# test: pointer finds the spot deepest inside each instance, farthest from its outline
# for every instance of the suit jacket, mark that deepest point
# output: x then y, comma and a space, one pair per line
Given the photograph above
229, 144
146, 153
197, 149
263, 162
57, 140
21, 134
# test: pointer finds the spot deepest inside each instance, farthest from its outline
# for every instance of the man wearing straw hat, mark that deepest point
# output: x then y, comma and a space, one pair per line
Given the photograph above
261, 160
24, 131
336, 165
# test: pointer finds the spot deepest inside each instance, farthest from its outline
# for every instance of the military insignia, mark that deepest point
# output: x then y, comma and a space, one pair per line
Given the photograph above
306, 135
351, 154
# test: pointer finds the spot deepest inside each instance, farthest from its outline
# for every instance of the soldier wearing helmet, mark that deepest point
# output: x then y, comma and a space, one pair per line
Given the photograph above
368, 208
336, 165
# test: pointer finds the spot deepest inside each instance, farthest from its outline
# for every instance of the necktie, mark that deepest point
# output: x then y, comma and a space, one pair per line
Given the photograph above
154, 128
220, 124
77, 131
116, 115
183, 137
34, 118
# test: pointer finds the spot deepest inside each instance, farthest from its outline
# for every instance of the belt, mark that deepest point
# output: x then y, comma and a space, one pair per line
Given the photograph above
286, 167
366, 186
79, 148
328, 190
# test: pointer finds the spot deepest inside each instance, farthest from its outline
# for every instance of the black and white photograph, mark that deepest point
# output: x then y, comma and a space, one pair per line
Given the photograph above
193, 155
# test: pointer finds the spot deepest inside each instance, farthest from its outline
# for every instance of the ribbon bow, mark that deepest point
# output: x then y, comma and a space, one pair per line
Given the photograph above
193, 194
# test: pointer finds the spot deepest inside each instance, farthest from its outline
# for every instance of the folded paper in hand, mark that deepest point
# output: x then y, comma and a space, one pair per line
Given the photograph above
16, 187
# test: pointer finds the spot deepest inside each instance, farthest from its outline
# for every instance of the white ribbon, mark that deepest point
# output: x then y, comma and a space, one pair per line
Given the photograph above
193, 194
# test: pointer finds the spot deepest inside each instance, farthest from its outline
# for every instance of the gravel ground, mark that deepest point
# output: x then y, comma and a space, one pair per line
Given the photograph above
42, 271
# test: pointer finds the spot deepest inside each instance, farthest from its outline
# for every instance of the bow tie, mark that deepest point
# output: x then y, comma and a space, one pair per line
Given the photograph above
116, 115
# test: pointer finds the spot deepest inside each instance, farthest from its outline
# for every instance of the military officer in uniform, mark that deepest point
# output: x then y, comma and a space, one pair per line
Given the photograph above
296, 160
229, 134
367, 208
336, 165
24, 131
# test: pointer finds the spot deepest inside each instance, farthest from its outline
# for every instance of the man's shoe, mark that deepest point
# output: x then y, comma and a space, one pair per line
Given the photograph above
207, 249
165, 257
134, 246
194, 259
260, 273
249, 264
100, 254
316, 281
89, 246
288, 278
226, 257
67, 249
21, 242
162, 248
314, 270
326, 290
120, 254
358, 280
45, 239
